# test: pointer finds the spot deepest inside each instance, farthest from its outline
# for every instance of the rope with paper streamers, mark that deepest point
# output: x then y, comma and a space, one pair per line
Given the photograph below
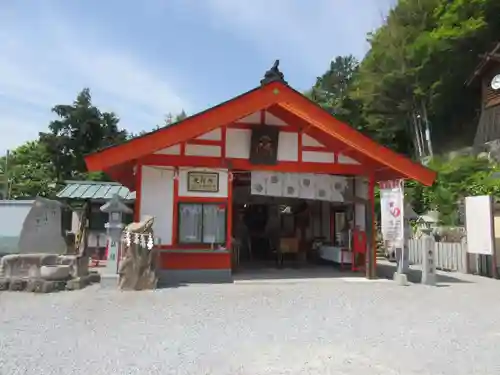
145, 240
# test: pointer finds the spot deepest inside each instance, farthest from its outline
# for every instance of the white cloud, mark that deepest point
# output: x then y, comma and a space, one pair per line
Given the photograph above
310, 31
45, 61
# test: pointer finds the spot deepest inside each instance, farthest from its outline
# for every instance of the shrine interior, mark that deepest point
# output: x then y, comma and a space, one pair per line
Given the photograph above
281, 231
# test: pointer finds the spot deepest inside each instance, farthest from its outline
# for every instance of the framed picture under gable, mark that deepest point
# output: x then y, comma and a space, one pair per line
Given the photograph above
264, 145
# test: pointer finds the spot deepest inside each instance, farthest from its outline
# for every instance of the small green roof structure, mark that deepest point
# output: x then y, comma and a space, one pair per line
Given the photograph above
95, 190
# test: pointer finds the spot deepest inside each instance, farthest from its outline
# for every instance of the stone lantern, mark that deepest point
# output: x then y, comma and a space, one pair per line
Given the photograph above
115, 208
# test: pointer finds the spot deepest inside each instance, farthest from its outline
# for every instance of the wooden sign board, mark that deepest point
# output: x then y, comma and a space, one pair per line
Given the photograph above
203, 182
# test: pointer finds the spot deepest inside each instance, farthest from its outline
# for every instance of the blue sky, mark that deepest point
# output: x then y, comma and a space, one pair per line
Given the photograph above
143, 59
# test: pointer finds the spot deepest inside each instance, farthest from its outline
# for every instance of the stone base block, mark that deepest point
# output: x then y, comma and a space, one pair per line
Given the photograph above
17, 285
4, 284
401, 279
56, 272
94, 277
77, 283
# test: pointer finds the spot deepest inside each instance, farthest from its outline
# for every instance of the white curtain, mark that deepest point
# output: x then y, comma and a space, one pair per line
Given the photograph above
190, 223
214, 224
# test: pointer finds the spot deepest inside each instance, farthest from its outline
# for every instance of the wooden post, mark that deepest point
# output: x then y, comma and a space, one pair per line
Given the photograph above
371, 232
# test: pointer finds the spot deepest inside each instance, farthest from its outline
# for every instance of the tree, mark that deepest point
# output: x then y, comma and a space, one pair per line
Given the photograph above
169, 120
80, 129
418, 62
172, 119
30, 171
333, 91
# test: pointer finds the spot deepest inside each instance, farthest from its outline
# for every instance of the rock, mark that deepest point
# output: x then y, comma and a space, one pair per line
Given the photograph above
48, 286
77, 283
137, 269
56, 272
34, 285
41, 286
25, 265
94, 277
17, 285
79, 264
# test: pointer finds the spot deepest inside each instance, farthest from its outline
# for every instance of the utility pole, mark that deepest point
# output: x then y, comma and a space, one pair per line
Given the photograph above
4, 179
427, 131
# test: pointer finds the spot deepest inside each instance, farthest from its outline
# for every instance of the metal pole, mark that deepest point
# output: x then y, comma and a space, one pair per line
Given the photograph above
7, 179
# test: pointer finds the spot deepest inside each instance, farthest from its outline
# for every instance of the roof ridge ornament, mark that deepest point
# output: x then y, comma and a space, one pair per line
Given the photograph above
273, 75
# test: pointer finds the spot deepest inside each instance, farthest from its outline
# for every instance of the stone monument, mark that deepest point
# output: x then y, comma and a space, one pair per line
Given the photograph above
428, 259
41, 232
115, 209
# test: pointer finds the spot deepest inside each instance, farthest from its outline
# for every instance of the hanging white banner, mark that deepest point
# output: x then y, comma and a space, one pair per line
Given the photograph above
391, 210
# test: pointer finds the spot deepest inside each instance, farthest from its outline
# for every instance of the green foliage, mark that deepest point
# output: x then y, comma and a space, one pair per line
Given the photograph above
80, 129
30, 171
457, 179
423, 55
40, 167
333, 91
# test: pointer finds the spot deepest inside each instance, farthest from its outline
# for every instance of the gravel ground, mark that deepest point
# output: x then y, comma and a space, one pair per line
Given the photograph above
319, 326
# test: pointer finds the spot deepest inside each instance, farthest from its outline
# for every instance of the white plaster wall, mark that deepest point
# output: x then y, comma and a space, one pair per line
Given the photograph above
361, 191
157, 199
203, 150
270, 119
318, 157
309, 141
238, 143
254, 118
214, 135
360, 215
172, 150
223, 179
288, 146
342, 159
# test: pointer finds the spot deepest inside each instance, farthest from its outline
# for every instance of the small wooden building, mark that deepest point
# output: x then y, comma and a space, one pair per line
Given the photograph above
487, 75
223, 176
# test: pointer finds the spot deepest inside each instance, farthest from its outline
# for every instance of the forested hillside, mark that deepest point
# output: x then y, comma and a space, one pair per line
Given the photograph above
417, 66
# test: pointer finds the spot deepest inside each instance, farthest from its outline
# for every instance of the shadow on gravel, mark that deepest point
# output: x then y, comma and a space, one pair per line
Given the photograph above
291, 272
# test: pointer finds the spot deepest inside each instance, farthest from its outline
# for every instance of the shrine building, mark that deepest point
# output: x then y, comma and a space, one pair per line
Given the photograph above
263, 179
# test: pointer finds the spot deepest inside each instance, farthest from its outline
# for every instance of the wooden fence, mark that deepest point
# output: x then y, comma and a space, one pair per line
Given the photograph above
449, 256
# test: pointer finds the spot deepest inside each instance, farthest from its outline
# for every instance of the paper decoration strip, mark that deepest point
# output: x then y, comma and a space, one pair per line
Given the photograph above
307, 185
291, 185
258, 182
274, 186
322, 187
338, 186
